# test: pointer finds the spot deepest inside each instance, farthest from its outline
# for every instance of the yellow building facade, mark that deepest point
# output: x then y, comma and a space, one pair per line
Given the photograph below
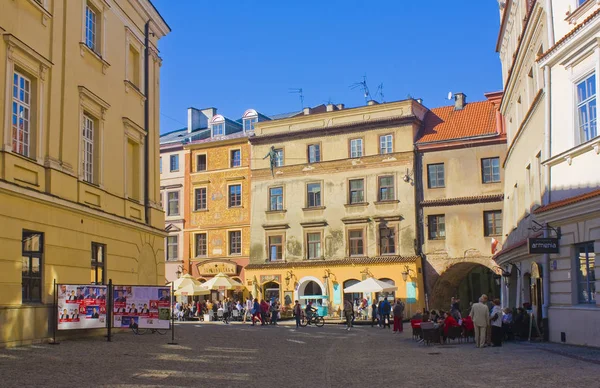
334, 202
79, 176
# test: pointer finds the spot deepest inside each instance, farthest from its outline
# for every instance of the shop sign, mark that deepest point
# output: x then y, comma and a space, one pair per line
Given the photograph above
270, 278
213, 268
543, 245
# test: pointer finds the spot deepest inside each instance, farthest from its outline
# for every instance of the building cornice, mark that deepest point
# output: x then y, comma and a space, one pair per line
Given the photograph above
534, 105
462, 200
349, 261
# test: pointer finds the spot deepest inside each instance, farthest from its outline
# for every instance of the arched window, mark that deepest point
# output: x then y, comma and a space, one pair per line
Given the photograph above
217, 125
249, 118
271, 291
353, 297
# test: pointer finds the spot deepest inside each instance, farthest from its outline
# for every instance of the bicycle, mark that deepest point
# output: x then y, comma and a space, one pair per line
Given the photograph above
137, 331
315, 319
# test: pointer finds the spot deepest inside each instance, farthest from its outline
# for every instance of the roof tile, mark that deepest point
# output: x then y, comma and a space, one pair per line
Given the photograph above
567, 201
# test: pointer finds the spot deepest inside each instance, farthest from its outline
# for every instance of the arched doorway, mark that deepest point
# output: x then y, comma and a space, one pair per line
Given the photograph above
353, 297
391, 296
271, 291
467, 281
310, 285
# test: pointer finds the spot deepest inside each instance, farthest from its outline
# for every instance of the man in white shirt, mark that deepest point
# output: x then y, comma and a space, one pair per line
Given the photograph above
248, 311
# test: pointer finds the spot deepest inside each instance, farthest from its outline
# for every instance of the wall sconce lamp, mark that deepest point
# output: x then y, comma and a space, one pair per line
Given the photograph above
499, 274
288, 276
406, 272
328, 274
180, 271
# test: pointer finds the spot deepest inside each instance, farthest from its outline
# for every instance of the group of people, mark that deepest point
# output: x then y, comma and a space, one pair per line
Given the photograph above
380, 313
194, 310
444, 321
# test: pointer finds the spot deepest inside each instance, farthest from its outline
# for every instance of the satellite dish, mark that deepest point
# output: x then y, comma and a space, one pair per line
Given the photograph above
449, 95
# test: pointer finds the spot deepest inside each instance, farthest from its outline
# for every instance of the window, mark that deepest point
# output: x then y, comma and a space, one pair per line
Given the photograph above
387, 240
356, 243
88, 149
528, 187
235, 195
356, 148
31, 280
313, 195
133, 170
586, 277
21, 114
580, 2
173, 203
201, 247
133, 66
174, 166
586, 108
435, 176
201, 162
386, 188
218, 129
235, 242
386, 144
490, 170
172, 247
437, 227
279, 157
314, 153
91, 28
160, 164
200, 198
314, 245
492, 223
98, 263
276, 198
275, 248
249, 123
357, 191
235, 158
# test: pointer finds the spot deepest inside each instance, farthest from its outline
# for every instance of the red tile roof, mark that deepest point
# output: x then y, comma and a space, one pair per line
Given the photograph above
567, 201
445, 123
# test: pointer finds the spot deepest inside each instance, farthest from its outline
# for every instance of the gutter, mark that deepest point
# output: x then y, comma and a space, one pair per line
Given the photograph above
417, 173
146, 122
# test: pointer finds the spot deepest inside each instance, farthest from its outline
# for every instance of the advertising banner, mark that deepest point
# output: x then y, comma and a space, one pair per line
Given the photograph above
81, 306
543, 245
147, 306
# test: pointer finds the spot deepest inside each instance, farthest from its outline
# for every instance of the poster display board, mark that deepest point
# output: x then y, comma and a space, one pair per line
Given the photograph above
147, 306
81, 306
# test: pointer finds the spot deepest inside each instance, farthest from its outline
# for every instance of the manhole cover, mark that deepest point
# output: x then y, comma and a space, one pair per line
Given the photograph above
434, 353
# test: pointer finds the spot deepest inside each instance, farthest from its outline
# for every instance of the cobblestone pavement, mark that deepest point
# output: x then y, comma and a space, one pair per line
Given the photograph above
244, 356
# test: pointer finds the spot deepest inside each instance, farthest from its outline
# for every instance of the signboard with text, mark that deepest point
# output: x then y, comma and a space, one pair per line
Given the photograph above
543, 245
81, 306
146, 306
212, 268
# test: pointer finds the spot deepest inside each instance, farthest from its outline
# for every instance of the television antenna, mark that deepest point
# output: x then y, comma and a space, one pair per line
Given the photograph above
300, 93
379, 92
362, 85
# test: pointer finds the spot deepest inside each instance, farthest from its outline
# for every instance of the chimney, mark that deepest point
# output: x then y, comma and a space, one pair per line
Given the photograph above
372, 102
198, 118
460, 100
330, 107
340, 106
306, 111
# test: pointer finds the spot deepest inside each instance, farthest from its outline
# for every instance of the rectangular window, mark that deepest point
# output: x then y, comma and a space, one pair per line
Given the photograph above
279, 157
435, 176
314, 153
387, 240
386, 144
218, 129
88, 149
235, 242
200, 162
21, 114
356, 148
174, 163
133, 70
356, 243
172, 247
98, 263
201, 244
313, 241
200, 198
236, 158
276, 198
133, 170
386, 188
90, 28
586, 276
586, 108
313, 195
173, 203
275, 248
492, 223
490, 170
235, 195
437, 227
32, 266
357, 191
249, 123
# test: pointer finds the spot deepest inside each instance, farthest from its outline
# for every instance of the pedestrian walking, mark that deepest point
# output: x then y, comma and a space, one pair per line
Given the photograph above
226, 311
255, 312
398, 315
481, 318
297, 313
385, 313
374, 314
496, 323
248, 311
348, 312
264, 310
274, 312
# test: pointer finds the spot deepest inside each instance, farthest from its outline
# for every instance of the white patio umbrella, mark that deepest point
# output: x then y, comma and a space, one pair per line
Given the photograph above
184, 281
192, 290
221, 281
370, 285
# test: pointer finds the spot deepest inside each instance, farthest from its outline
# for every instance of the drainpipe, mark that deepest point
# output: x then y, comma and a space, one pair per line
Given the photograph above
419, 226
547, 198
550, 23
146, 122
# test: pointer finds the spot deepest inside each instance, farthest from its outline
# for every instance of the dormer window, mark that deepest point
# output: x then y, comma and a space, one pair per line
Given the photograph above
249, 119
217, 124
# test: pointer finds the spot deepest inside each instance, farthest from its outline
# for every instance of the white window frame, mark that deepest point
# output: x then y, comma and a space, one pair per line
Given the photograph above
231, 159
229, 196
586, 103
170, 244
386, 144
219, 124
249, 123
21, 137
171, 158
99, 8
87, 157
95, 108
168, 204
279, 157
91, 31
356, 152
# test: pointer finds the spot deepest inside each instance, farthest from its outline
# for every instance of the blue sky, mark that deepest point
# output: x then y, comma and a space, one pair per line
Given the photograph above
235, 55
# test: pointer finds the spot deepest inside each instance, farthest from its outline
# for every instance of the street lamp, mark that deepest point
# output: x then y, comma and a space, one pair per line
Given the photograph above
406, 272
503, 274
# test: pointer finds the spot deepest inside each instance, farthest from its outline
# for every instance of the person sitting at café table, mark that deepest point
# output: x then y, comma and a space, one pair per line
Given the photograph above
434, 317
449, 322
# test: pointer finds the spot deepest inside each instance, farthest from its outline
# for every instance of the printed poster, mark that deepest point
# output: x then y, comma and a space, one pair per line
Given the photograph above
146, 307
81, 306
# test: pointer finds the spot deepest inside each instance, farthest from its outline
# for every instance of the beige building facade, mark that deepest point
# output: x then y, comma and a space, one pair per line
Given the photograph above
79, 192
